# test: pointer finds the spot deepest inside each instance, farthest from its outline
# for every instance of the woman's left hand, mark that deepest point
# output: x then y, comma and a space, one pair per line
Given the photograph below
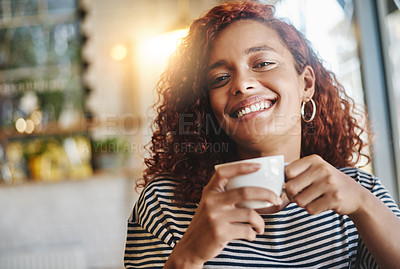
317, 186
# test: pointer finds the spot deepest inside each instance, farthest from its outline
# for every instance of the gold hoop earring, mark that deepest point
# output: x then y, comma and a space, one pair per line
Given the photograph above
314, 110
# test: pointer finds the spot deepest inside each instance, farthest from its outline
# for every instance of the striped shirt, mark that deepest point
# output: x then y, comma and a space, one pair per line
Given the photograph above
292, 237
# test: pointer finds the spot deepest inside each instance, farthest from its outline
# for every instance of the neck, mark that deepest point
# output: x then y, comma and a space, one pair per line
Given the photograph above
289, 147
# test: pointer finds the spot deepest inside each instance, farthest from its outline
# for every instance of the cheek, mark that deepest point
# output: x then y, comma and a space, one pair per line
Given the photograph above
217, 105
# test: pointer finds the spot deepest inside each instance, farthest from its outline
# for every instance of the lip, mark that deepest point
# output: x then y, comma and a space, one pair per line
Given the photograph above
249, 101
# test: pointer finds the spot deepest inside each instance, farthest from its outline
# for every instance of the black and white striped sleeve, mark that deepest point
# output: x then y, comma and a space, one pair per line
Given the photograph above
149, 241
374, 185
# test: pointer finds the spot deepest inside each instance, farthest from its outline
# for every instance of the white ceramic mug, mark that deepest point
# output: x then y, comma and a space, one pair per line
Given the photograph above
271, 175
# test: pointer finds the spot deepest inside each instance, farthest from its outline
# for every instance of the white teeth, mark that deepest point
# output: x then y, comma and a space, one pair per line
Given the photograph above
254, 108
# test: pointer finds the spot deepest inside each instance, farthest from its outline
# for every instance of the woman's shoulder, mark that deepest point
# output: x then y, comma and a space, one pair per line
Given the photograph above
363, 177
158, 188
160, 193
150, 218
155, 209
371, 183
161, 183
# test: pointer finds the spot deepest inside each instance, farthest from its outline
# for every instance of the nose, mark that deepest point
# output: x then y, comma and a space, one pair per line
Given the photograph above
243, 84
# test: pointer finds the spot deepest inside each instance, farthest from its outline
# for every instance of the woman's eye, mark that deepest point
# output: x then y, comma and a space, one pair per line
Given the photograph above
219, 81
262, 65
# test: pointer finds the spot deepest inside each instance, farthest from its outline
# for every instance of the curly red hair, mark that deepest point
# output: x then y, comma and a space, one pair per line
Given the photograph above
187, 141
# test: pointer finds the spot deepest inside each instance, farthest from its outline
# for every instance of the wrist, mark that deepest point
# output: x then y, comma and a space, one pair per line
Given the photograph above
367, 200
181, 260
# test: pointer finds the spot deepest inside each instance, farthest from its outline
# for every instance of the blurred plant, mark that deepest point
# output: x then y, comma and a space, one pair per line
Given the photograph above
54, 159
110, 153
51, 103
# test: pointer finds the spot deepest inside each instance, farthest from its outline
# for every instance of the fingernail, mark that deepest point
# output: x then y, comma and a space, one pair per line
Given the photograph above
254, 166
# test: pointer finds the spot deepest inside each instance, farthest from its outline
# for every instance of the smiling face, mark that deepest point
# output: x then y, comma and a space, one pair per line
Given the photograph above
255, 90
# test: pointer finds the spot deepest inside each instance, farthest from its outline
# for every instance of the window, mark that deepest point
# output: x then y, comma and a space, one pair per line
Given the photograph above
389, 11
356, 59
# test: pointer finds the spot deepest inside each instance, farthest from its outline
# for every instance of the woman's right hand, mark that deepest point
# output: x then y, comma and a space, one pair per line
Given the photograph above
218, 220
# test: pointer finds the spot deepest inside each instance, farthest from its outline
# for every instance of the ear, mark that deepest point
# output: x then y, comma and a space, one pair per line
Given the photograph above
308, 78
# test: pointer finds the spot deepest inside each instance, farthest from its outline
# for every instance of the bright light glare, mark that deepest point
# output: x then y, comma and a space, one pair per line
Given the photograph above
20, 125
119, 52
318, 19
30, 126
160, 47
36, 117
152, 57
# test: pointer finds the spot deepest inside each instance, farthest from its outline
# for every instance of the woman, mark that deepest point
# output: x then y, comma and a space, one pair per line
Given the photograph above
244, 84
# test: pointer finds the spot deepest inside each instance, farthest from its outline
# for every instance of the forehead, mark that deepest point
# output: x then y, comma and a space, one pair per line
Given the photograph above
244, 34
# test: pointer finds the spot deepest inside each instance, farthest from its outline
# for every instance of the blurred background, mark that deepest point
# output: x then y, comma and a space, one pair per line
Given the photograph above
77, 83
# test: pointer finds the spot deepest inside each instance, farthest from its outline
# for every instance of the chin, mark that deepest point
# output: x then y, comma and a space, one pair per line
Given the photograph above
250, 140
252, 130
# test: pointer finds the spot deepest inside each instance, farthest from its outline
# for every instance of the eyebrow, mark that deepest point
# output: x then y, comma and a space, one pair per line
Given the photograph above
216, 64
259, 48
247, 52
